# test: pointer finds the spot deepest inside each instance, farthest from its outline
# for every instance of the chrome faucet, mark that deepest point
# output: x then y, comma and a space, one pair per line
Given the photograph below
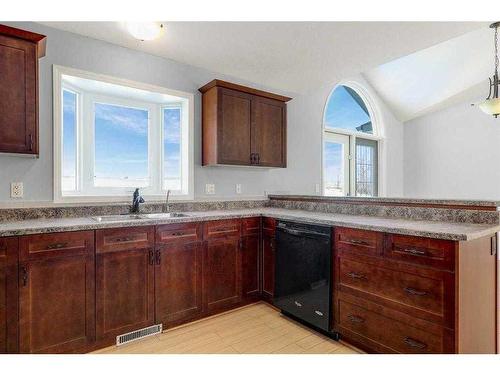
136, 200
166, 204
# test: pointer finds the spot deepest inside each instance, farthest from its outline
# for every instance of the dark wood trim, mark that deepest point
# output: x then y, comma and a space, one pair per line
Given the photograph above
456, 206
39, 39
249, 90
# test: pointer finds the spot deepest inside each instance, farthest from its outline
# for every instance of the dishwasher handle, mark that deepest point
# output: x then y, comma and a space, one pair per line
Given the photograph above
303, 233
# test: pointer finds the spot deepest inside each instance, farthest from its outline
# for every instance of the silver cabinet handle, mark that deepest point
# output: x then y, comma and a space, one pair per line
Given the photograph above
298, 304
412, 343
414, 251
415, 292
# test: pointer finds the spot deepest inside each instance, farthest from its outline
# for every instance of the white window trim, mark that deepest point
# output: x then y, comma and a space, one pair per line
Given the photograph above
378, 135
187, 140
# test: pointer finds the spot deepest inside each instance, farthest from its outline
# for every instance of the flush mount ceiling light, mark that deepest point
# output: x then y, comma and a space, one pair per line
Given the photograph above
491, 105
145, 30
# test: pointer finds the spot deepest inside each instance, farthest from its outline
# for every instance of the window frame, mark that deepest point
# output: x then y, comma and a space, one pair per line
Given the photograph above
85, 136
377, 136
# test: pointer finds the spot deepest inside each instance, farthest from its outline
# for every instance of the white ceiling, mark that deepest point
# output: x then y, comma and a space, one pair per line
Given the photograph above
436, 77
293, 57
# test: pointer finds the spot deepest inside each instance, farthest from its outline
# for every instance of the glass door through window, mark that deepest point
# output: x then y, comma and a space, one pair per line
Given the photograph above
336, 165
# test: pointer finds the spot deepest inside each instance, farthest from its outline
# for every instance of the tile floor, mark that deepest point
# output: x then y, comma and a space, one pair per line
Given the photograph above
257, 328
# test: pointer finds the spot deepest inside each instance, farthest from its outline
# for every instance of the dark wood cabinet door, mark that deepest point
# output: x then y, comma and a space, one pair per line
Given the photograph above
124, 281
269, 132
251, 265
18, 96
222, 273
268, 248
178, 282
3, 299
56, 293
8, 295
233, 132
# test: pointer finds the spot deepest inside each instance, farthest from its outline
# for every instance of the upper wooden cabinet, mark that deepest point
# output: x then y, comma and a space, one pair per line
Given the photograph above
243, 126
19, 54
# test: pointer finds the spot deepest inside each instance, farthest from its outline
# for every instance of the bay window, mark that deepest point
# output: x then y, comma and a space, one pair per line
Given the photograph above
112, 136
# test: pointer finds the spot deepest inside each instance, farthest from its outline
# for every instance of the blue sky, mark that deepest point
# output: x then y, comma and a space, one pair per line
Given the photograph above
343, 112
69, 139
333, 155
121, 140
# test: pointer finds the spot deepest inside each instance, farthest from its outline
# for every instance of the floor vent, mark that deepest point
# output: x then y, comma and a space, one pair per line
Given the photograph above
139, 334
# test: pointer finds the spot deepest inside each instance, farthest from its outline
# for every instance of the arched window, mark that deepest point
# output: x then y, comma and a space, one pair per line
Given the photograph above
350, 144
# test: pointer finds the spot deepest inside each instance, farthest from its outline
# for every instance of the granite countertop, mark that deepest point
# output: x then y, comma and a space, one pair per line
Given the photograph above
432, 229
403, 201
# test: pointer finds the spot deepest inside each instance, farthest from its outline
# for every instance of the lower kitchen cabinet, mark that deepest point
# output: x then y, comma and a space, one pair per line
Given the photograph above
3, 297
178, 282
268, 258
222, 273
250, 257
268, 255
124, 281
56, 292
8, 294
409, 294
251, 265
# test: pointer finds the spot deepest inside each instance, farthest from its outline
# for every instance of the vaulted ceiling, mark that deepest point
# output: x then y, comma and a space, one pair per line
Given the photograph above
449, 72
290, 56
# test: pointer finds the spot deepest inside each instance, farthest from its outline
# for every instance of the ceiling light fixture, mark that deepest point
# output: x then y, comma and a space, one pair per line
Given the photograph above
491, 105
145, 30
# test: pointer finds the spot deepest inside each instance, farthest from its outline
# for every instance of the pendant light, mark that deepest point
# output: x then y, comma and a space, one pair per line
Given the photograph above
491, 105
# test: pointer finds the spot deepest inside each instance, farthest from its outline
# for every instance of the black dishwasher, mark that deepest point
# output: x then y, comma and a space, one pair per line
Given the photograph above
303, 272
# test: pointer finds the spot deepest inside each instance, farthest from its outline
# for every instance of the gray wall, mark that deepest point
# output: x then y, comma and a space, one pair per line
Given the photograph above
304, 125
453, 153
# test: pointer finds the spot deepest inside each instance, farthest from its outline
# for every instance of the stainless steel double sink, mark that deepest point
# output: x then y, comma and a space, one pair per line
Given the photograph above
127, 217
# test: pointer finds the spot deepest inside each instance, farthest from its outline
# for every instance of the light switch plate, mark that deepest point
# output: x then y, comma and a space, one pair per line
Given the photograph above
238, 188
16, 190
209, 189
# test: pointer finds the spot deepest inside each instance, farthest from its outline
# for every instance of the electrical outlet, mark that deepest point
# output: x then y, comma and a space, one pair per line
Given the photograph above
209, 189
238, 188
317, 188
16, 190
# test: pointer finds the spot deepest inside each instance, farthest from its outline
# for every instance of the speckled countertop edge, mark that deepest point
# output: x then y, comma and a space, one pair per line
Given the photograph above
460, 202
432, 229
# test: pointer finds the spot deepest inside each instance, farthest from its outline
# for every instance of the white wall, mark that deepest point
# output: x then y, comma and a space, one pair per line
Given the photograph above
453, 153
305, 113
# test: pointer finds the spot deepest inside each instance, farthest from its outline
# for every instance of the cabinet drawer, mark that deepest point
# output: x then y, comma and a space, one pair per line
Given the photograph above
269, 226
184, 232
118, 239
423, 251
222, 228
357, 241
251, 225
385, 285
395, 335
39, 246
